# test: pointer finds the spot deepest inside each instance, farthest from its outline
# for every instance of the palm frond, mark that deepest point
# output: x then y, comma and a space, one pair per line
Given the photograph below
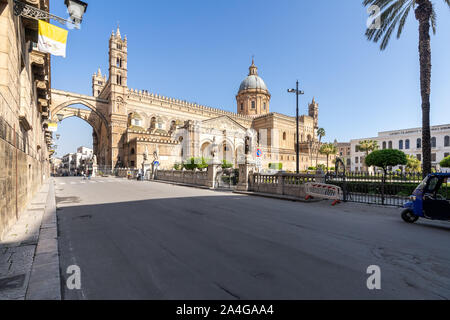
433, 20
392, 13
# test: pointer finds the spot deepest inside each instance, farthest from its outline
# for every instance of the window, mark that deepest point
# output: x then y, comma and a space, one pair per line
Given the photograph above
348, 162
264, 106
400, 145
433, 157
390, 144
433, 143
446, 154
407, 144
419, 157
356, 159
357, 148
119, 79
447, 141
419, 143
132, 151
384, 145
284, 135
253, 104
242, 106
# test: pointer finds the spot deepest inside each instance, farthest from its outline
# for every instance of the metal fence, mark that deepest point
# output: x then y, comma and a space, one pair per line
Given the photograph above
392, 189
227, 178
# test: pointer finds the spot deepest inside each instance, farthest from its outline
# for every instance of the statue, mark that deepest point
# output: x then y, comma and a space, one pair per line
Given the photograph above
214, 149
146, 154
94, 160
247, 145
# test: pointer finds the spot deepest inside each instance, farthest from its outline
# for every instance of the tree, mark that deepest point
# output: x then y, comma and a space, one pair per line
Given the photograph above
320, 133
445, 163
328, 149
413, 164
368, 146
386, 158
393, 13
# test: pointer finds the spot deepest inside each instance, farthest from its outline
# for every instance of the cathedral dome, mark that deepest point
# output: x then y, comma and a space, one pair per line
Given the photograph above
253, 81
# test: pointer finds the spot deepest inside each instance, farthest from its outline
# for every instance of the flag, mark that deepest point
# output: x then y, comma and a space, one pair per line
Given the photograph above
52, 39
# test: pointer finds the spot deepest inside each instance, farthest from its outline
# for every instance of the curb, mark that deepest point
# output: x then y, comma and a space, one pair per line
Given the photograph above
276, 196
45, 283
191, 185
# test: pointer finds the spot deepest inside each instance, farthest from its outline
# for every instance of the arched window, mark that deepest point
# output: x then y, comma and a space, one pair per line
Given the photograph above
242, 106
264, 106
433, 142
447, 141
400, 145
132, 151
119, 79
419, 143
284, 135
384, 144
253, 105
390, 144
407, 144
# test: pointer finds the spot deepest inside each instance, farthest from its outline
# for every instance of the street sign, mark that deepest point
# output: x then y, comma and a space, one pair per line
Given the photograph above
258, 153
156, 163
258, 163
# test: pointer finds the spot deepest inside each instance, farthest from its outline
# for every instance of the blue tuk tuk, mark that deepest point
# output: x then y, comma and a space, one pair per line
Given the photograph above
430, 200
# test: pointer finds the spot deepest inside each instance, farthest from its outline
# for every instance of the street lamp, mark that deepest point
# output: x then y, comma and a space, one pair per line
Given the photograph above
297, 93
60, 117
57, 136
76, 10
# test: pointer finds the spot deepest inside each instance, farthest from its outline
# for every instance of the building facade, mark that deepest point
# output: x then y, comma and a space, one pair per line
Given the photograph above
409, 141
24, 100
136, 126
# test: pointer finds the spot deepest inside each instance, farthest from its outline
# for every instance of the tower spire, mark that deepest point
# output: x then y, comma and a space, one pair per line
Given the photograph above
253, 69
118, 30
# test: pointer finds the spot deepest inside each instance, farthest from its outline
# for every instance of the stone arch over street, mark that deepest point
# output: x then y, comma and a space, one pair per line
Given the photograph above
62, 106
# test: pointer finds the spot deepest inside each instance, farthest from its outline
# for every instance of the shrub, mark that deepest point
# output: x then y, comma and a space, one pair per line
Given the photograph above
177, 166
226, 164
386, 158
276, 166
311, 168
195, 163
445, 163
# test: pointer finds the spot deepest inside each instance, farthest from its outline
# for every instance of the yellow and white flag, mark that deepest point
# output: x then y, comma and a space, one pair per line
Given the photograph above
52, 39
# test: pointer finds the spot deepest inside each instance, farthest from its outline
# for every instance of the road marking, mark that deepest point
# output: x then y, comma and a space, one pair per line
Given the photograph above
73, 183
62, 183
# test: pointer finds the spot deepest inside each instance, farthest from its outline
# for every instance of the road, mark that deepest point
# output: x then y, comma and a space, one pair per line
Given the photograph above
150, 240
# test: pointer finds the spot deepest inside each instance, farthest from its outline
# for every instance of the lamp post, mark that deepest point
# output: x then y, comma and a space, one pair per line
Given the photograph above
76, 9
297, 93
60, 117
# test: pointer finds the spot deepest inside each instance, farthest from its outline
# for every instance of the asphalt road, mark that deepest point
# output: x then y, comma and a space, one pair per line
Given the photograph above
149, 240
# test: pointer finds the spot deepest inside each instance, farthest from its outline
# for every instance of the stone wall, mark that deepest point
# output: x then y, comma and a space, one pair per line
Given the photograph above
283, 183
24, 81
199, 178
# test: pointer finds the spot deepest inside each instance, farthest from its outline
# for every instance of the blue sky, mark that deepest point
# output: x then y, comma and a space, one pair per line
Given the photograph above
200, 51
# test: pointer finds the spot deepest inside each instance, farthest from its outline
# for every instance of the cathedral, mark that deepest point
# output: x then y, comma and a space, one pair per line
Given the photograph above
145, 126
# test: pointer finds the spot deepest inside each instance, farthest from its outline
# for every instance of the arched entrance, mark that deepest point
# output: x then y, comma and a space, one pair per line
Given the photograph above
62, 107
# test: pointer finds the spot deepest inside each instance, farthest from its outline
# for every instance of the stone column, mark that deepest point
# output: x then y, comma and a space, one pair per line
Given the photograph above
246, 169
94, 170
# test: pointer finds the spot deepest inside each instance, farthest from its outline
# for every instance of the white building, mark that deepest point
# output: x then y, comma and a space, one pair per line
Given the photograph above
407, 140
74, 163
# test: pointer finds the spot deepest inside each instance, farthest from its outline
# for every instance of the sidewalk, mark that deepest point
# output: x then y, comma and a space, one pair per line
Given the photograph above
29, 259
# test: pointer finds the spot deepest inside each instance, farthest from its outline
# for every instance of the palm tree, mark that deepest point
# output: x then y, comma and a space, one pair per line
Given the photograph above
320, 133
393, 13
328, 149
368, 146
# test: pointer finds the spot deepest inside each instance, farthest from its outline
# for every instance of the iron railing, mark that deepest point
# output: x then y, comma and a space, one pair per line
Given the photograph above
392, 189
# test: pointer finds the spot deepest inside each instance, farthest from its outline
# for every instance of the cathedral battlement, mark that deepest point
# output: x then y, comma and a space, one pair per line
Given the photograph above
146, 94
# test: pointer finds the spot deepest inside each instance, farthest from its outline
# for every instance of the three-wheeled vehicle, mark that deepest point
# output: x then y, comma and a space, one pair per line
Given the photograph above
430, 200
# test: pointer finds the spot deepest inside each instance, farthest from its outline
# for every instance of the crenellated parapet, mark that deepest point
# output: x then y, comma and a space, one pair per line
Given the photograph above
144, 95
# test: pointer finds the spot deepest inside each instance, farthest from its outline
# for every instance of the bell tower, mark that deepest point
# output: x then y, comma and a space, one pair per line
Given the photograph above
118, 55
313, 112
98, 83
